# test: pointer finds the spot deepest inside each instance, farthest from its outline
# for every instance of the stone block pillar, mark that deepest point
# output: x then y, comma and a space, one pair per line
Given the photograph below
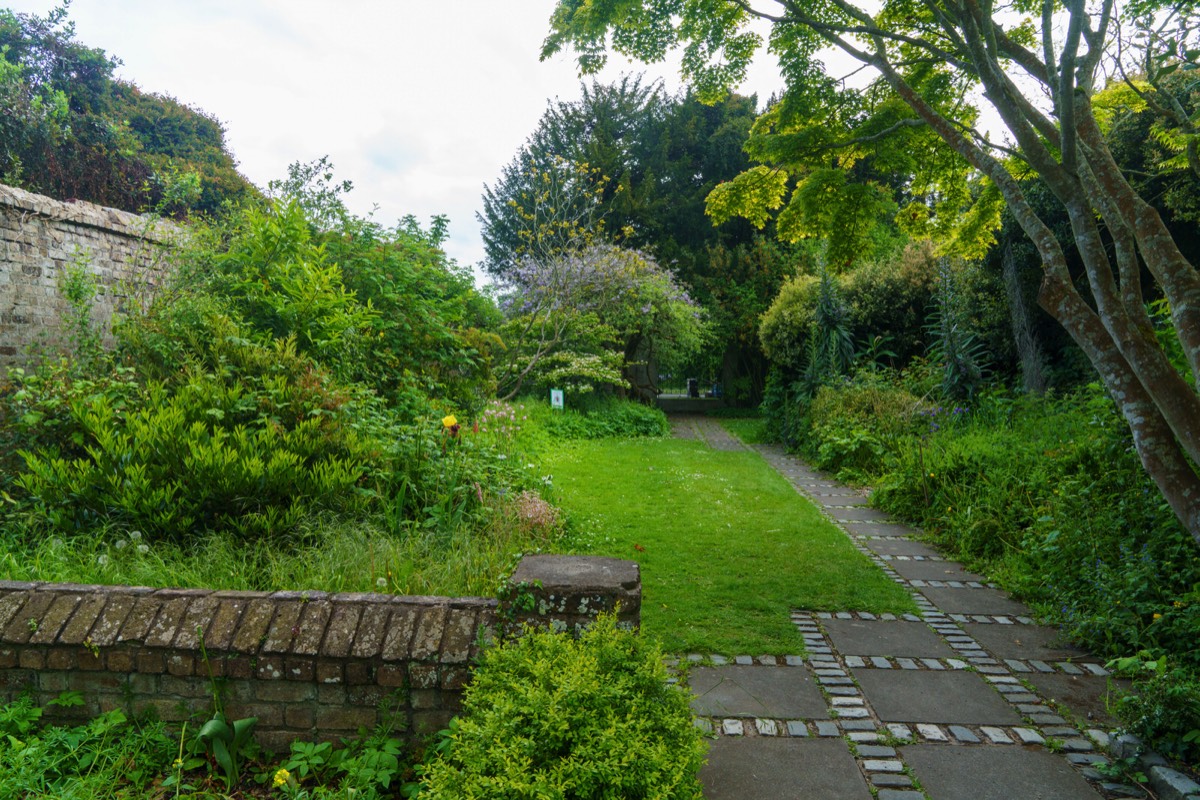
565, 593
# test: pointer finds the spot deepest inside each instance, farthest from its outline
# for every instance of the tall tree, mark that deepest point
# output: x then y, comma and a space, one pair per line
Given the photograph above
1038, 65
632, 156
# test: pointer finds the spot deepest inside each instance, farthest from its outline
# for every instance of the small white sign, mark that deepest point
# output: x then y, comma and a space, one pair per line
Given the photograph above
556, 399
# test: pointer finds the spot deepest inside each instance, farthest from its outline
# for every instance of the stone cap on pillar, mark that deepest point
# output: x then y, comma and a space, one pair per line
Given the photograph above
569, 591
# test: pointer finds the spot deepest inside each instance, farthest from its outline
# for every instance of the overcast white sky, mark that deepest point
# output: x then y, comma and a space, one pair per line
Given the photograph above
418, 103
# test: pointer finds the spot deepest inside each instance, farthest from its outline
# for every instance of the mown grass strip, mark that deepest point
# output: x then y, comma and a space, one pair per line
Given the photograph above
727, 548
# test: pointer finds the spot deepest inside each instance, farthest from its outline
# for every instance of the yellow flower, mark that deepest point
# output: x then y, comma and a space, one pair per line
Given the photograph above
1158, 616
449, 422
281, 777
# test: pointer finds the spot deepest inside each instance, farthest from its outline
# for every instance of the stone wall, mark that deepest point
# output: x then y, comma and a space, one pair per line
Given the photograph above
40, 237
309, 665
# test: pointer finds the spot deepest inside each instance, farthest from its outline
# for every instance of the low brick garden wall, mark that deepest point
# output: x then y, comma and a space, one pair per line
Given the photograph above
309, 665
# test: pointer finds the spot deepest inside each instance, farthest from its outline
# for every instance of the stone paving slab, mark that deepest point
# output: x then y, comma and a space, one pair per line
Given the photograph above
974, 601
950, 697
1083, 695
862, 638
933, 571
1023, 641
782, 769
899, 547
994, 773
879, 529
753, 691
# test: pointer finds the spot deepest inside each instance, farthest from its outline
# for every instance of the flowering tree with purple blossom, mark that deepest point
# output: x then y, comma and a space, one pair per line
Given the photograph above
594, 314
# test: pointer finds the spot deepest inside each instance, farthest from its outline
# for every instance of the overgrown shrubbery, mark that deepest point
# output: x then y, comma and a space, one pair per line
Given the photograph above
105, 758
113, 757
598, 417
852, 427
548, 716
268, 395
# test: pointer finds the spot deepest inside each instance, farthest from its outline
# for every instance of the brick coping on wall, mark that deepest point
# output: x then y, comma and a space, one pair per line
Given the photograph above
309, 665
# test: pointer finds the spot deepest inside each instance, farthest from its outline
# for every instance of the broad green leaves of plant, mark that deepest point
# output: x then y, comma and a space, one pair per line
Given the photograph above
753, 195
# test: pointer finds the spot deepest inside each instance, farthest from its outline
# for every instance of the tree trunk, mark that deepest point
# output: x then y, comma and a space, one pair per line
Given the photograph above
1033, 370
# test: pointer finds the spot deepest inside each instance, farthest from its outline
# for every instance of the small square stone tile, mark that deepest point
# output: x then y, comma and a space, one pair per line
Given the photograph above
1029, 736
931, 733
875, 751
797, 727
965, 735
995, 735
851, 713
827, 729
857, 725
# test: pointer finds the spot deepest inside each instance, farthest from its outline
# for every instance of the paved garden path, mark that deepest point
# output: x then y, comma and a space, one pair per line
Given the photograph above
968, 700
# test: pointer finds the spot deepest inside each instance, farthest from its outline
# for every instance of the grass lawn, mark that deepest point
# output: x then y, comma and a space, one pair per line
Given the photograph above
727, 548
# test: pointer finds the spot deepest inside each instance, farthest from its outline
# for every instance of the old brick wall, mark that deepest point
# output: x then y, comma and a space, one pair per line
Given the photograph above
40, 237
309, 665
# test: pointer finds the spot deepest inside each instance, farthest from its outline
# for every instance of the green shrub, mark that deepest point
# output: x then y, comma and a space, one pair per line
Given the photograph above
784, 328
554, 718
593, 416
890, 298
1051, 493
1163, 710
184, 462
853, 427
